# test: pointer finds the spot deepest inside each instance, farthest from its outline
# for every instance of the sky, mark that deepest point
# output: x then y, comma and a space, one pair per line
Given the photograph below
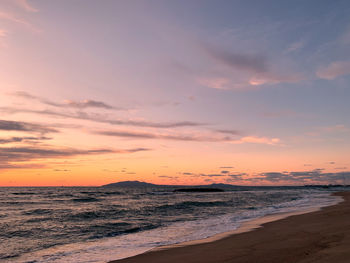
174, 92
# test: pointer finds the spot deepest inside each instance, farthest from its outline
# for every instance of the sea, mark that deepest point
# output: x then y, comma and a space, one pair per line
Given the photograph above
99, 224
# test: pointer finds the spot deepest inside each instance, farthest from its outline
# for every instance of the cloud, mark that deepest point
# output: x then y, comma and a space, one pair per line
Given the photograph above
22, 139
3, 33
212, 175
243, 71
13, 18
250, 82
101, 118
231, 132
148, 135
335, 128
334, 70
187, 173
189, 137
9, 140
26, 6
25, 126
13, 156
226, 167
87, 104
6, 166
215, 83
237, 176
168, 177
274, 78
61, 170
133, 134
294, 47
341, 168
316, 176
67, 103
258, 140
225, 172
244, 62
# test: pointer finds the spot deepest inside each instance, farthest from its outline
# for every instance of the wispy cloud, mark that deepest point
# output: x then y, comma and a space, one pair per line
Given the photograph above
293, 47
255, 63
237, 176
314, 177
334, 70
10, 140
14, 156
258, 140
244, 71
162, 136
274, 78
197, 137
217, 83
168, 177
6, 125
6, 166
3, 33
231, 132
24, 4
26, 139
17, 20
61, 170
67, 103
101, 118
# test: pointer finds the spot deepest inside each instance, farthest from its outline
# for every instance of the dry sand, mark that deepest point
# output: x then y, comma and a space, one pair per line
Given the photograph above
321, 236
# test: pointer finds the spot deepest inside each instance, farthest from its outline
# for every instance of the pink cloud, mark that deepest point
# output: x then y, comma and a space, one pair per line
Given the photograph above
26, 6
274, 78
245, 71
3, 33
214, 83
252, 82
258, 140
13, 18
334, 70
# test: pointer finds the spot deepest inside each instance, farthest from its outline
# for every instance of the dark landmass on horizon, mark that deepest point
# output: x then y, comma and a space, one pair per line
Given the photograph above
220, 186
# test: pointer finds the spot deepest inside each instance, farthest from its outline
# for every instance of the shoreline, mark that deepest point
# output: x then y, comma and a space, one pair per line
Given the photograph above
232, 246
246, 226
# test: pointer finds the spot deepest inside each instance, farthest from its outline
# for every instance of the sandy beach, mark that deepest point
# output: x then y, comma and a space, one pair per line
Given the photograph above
320, 236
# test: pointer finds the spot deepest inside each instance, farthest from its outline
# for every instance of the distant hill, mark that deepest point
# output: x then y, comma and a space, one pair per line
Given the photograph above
144, 184
226, 187
130, 184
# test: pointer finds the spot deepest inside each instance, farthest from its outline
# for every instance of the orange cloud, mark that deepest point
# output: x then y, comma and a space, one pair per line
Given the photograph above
259, 140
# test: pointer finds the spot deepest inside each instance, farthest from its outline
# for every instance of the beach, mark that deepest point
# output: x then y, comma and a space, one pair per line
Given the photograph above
319, 236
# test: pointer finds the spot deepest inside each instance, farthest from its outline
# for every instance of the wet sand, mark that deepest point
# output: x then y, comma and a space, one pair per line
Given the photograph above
321, 236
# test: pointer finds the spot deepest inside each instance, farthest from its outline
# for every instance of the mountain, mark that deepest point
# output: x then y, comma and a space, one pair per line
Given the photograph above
144, 184
130, 184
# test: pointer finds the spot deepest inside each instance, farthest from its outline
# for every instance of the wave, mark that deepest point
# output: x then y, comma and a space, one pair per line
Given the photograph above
189, 204
86, 199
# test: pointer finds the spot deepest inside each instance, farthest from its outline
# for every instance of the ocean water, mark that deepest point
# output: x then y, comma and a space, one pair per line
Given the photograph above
95, 224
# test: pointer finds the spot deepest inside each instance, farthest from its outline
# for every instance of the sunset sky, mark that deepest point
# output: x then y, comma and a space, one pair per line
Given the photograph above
174, 92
